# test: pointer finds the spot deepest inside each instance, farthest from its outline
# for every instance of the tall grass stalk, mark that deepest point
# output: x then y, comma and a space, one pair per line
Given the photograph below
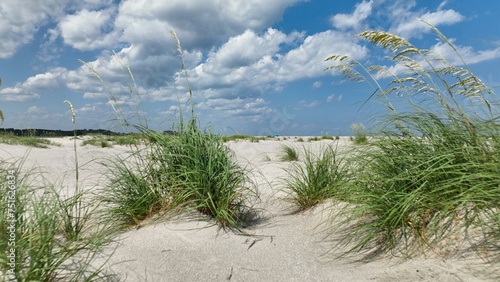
73, 214
435, 171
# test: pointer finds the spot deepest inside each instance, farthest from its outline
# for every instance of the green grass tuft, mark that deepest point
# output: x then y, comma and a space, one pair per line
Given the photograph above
30, 141
434, 170
318, 178
44, 251
360, 137
288, 154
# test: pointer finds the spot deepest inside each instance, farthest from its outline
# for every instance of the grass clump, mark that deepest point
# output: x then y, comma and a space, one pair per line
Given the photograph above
359, 137
190, 170
202, 172
107, 141
288, 154
253, 139
135, 191
435, 170
318, 178
30, 141
37, 245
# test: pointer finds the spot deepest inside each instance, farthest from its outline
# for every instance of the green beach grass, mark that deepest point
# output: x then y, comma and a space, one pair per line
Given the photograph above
433, 172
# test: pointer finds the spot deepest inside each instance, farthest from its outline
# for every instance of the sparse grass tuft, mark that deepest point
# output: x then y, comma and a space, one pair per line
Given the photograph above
30, 141
253, 139
360, 137
288, 154
319, 178
107, 141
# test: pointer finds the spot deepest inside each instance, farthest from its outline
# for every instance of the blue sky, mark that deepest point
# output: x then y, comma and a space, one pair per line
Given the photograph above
255, 67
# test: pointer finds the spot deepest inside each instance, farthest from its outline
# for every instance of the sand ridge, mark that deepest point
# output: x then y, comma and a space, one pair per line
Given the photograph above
283, 246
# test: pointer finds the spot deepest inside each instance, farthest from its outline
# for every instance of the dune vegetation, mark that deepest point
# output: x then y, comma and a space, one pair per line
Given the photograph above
423, 175
434, 169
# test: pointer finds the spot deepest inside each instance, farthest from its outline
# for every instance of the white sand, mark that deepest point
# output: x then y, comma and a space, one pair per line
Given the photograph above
285, 247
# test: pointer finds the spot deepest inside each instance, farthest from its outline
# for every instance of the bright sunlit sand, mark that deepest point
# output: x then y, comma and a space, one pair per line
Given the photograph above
281, 247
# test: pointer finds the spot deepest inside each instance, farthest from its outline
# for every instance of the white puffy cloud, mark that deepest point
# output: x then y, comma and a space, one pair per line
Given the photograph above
199, 23
48, 80
29, 89
468, 54
19, 21
307, 60
453, 56
399, 17
88, 30
355, 20
237, 110
408, 23
267, 66
414, 27
248, 47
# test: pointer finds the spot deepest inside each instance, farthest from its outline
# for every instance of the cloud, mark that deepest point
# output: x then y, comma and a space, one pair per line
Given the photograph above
29, 89
47, 80
330, 98
442, 49
355, 20
317, 84
469, 55
307, 104
272, 59
49, 50
16, 94
408, 24
239, 109
248, 47
212, 22
36, 110
414, 27
20, 21
87, 108
88, 30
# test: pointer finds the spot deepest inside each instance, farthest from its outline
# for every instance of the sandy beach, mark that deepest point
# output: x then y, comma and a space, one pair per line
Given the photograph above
281, 245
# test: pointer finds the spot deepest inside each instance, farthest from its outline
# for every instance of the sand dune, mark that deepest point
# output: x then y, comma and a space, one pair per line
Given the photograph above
282, 246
